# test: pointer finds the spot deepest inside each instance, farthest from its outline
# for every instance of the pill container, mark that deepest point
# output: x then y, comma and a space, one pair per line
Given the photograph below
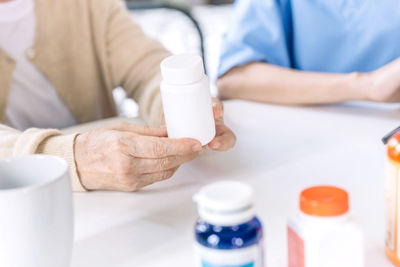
186, 98
228, 232
323, 233
392, 245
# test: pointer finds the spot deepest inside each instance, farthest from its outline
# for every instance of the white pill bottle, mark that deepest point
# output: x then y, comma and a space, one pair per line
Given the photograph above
323, 234
392, 237
186, 98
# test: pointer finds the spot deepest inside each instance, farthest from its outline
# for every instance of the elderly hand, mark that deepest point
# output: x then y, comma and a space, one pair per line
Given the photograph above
127, 157
383, 84
224, 138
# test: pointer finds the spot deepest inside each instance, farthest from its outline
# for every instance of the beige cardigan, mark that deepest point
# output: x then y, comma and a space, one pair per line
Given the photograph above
86, 48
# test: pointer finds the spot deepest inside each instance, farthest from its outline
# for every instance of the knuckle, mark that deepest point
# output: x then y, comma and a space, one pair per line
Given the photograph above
134, 144
116, 143
133, 187
119, 147
164, 163
128, 183
163, 176
167, 174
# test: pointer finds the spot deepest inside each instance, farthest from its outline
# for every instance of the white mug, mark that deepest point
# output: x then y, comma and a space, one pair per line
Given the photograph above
36, 217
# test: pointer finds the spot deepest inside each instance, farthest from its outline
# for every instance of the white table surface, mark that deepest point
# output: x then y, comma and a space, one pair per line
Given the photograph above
280, 150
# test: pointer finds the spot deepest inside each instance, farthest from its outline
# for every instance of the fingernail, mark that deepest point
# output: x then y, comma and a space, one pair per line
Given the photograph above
216, 145
197, 148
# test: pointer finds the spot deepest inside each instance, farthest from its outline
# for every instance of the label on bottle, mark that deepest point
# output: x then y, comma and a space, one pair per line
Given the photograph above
245, 257
391, 185
295, 249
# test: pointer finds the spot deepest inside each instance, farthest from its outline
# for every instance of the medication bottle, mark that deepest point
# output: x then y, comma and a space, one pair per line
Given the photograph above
323, 233
392, 245
228, 233
185, 93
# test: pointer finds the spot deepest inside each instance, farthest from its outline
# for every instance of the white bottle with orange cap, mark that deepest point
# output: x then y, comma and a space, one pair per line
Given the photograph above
392, 236
324, 234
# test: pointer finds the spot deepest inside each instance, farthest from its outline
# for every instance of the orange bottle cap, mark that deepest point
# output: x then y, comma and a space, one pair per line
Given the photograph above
393, 147
324, 201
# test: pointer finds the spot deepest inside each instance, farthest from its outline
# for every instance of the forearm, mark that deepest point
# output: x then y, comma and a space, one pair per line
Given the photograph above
272, 84
14, 143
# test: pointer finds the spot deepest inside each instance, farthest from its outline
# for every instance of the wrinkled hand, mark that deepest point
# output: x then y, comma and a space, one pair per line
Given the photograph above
127, 157
224, 138
384, 83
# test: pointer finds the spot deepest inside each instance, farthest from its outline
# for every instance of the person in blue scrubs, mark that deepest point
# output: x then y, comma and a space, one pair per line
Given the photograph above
312, 52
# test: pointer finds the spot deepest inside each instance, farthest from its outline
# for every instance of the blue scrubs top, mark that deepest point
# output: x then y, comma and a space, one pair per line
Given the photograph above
313, 35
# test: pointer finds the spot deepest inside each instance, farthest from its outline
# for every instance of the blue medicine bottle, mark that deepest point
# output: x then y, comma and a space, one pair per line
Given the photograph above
228, 233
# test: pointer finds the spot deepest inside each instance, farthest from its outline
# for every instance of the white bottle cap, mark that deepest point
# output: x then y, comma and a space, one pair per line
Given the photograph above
225, 203
182, 69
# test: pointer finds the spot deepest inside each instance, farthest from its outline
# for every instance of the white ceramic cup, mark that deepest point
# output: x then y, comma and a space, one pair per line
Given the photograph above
36, 216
